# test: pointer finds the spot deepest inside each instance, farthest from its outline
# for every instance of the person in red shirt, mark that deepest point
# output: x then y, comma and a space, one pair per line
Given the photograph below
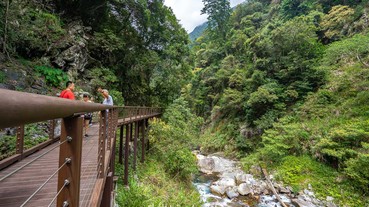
68, 92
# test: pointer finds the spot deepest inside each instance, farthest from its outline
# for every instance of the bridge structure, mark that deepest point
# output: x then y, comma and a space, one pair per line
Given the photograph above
69, 169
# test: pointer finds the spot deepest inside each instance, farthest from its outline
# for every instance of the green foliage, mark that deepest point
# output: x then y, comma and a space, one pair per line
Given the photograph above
357, 168
32, 31
33, 134
149, 57
284, 139
337, 23
174, 139
273, 89
180, 163
347, 51
101, 77
154, 187
165, 178
213, 142
280, 70
293, 8
53, 76
117, 97
2, 76
325, 181
331, 126
7, 146
219, 13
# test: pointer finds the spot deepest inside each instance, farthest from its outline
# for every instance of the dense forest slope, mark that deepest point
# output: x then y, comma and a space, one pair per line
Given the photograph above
137, 49
277, 83
287, 78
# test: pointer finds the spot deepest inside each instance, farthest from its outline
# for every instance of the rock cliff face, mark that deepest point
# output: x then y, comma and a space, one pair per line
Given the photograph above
71, 53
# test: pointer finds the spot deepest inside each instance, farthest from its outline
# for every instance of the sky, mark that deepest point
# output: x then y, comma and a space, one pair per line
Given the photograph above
189, 11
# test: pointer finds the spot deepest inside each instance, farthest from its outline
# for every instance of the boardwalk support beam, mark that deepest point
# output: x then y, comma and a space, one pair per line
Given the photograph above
135, 145
72, 129
143, 141
126, 154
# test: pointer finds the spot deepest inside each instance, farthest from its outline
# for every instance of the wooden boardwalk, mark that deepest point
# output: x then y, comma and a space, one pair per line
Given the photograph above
36, 183
17, 188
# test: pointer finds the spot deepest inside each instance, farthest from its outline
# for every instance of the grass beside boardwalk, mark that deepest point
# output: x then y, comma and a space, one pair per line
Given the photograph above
152, 186
165, 177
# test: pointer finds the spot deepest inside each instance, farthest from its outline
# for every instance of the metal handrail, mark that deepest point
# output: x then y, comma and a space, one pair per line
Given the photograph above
17, 108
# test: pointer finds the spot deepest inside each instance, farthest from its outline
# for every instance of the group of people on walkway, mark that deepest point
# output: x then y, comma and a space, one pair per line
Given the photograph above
68, 94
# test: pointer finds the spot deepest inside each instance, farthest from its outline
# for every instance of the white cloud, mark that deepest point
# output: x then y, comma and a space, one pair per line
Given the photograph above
189, 11
236, 2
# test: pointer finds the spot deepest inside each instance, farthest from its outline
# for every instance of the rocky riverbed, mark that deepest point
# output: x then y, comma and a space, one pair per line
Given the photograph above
223, 183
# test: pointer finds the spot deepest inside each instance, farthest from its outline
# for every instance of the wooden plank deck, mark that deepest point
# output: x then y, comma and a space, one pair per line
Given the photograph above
17, 188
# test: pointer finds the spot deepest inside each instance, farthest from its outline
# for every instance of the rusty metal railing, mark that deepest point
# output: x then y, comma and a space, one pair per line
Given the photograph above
18, 109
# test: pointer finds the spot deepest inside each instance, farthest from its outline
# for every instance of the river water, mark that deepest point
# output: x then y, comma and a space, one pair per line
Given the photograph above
203, 182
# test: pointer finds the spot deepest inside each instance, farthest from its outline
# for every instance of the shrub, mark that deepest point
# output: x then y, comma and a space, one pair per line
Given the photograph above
7, 146
173, 139
357, 168
181, 163
34, 31
54, 77
117, 97
2, 77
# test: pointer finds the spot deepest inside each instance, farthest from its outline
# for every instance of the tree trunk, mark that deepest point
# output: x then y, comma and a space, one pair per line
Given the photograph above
6, 29
271, 187
362, 62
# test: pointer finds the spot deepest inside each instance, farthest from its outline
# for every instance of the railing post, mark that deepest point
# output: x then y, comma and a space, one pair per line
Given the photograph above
52, 129
131, 132
135, 145
101, 150
126, 154
130, 114
143, 141
109, 122
71, 148
109, 182
20, 141
121, 144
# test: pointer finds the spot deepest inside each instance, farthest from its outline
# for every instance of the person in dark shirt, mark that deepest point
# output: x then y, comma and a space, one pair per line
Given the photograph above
88, 116
68, 92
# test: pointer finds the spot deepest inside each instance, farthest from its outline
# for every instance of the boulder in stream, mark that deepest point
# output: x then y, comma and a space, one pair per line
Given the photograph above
206, 164
302, 203
244, 178
232, 193
220, 187
217, 190
244, 189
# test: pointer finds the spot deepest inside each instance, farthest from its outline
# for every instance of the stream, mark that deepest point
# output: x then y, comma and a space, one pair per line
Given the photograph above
222, 183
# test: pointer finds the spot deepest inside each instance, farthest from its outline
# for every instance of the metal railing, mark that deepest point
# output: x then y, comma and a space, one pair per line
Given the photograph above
19, 109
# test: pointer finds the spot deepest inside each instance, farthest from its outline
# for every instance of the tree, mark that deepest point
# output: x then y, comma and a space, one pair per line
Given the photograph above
337, 23
293, 8
5, 32
219, 12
